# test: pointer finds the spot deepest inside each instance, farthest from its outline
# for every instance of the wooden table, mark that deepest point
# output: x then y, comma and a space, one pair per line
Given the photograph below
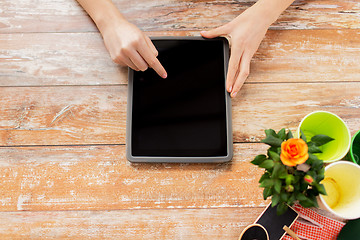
63, 170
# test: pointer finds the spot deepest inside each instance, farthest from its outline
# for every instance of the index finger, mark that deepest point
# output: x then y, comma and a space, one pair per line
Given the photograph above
149, 56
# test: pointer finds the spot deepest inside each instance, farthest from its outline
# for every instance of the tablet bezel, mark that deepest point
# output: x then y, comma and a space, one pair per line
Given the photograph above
215, 159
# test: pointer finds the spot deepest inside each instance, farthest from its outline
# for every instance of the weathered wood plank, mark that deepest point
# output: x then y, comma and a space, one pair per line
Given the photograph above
44, 16
276, 106
222, 223
307, 56
97, 115
100, 178
168, 15
47, 44
81, 59
63, 115
57, 59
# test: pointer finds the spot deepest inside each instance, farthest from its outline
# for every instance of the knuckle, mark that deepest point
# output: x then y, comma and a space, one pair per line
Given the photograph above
152, 62
133, 44
117, 60
136, 42
124, 51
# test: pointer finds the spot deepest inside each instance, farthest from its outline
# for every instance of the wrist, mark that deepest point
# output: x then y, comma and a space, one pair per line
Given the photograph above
269, 11
106, 16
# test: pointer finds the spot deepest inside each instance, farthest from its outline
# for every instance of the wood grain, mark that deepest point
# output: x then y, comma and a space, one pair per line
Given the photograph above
220, 223
63, 115
63, 170
165, 15
78, 115
22, 16
100, 178
283, 105
168, 15
81, 58
57, 59
307, 56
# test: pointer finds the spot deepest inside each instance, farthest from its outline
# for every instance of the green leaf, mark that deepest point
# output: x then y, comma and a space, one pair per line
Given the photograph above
259, 159
303, 185
302, 135
314, 201
307, 203
267, 192
275, 200
289, 135
321, 189
274, 149
272, 141
315, 162
274, 156
283, 173
314, 149
276, 171
321, 139
271, 132
311, 159
284, 196
281, 209
321, 174
277, 185
264, 176
301, 197
298, 177
267, 183
291, 200
282, 134
279, 171
267, 164
311, 193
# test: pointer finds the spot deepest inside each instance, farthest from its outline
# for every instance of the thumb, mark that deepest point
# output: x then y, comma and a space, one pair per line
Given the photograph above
216, 32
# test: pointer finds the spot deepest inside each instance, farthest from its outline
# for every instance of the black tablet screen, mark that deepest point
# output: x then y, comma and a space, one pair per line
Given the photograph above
183, 115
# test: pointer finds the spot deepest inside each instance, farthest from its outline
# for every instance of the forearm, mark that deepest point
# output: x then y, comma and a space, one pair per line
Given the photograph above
103, 12
126, 43
269, 10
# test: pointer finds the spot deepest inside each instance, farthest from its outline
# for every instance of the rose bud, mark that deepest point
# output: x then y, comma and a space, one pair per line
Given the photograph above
289, 188
308, 179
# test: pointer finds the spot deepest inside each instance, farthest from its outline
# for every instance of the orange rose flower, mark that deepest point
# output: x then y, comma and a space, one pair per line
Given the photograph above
294, 151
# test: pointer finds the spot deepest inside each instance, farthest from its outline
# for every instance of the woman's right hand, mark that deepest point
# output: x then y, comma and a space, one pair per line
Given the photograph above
129, 46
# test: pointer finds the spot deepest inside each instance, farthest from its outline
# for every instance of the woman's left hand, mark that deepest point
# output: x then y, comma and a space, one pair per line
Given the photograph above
245, 34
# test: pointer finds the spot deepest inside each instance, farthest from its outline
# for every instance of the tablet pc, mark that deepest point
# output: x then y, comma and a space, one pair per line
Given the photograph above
187, 116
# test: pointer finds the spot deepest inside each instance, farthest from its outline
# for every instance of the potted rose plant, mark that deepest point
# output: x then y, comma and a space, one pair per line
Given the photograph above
292, 172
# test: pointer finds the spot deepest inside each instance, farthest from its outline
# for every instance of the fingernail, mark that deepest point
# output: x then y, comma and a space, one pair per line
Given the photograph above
230, 88
164, 75
233, 94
